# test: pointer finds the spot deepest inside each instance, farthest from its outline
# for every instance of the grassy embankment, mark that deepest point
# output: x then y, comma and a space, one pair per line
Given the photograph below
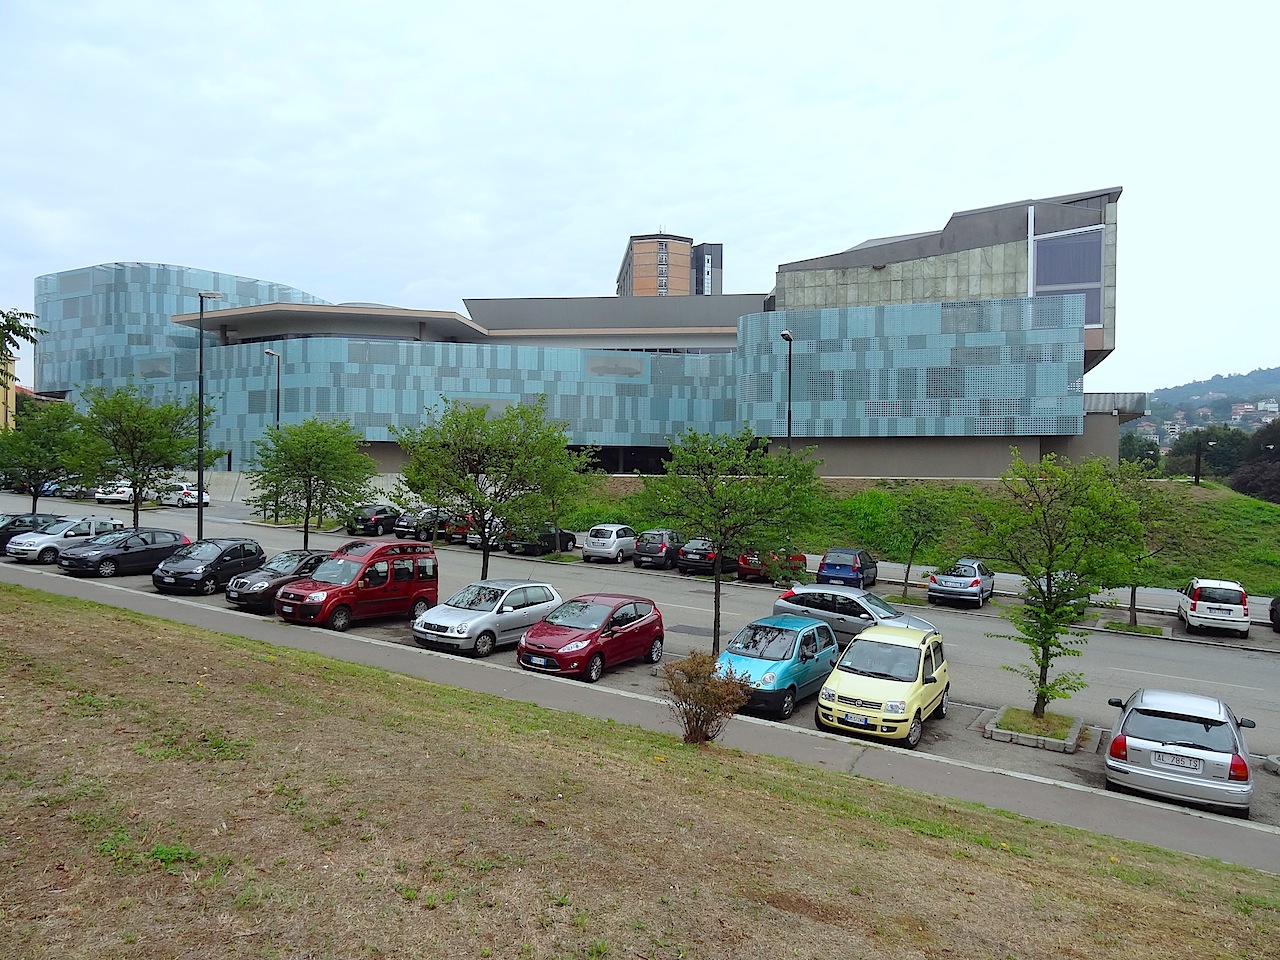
170, 792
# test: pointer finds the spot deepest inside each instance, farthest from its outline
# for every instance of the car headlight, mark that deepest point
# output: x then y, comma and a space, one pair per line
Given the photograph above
461, 629
827, 694
260, 585
895, 706
316, 597
199, 569
575, 646
768, 679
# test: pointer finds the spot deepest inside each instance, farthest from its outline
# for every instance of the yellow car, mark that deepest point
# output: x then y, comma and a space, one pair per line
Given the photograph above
887, 683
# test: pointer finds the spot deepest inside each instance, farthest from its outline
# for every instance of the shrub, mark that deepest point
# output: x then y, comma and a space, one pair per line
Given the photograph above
702, 697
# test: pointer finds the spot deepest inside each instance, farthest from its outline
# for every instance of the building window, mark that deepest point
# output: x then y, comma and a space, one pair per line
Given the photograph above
662, 270
662, 258
662, 246
1071, 262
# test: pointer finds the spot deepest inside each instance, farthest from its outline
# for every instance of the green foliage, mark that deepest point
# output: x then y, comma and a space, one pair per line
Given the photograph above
48, 445
312, 469
1222, 450
15, 325
703, 699
924, 515
512, 471
731, 490
141, 441
1139, 449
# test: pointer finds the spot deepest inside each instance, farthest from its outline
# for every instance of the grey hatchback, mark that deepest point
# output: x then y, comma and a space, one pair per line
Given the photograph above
657, 548
484, 614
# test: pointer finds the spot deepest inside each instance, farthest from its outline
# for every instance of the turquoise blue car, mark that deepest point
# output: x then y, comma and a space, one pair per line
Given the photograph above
786, 657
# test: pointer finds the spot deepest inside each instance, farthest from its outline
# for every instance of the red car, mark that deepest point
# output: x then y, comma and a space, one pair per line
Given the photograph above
583, 635
773, 567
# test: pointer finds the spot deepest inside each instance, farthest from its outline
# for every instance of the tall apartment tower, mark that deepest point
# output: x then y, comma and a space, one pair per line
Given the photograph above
664, 265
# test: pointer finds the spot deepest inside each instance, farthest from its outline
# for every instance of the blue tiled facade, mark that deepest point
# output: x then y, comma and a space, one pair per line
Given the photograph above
997, 367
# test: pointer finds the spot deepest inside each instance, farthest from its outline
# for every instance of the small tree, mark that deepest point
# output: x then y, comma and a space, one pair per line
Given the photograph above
15, 326
1140, 449
925, 513
47, 446
731, 490
1061, 526
1161, 528
508, 471
703, 699
314, 465
142, 441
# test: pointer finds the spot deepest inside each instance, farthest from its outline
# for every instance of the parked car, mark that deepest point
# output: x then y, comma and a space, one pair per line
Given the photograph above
848, 610
699, 556
787, 659
131, 550
13, 524
485, 614
425, 523
614, 542
887, 683
364, 579
967, 580
375, 519
1275, 614
180, 494
457, 528
657, 548
44, 545
540, 541
114, 493
497, 536
208, 565
848, 565
1180, 746
773, 566
256, 589
1215, 604
584, 635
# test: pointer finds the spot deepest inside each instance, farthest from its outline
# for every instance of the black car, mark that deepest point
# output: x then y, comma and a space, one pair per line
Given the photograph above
373, 518
207, 565
131, 550
539, 541
256, 589
657, 548
699, 556
12, 524
426, 524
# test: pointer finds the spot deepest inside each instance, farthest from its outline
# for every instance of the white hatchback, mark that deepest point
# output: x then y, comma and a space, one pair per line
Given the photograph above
1214, 603
614, 542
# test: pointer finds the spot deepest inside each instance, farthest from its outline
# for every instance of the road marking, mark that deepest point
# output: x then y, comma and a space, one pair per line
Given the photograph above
1174, 676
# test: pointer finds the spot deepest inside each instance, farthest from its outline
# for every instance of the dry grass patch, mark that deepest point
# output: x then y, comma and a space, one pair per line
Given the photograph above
169, 792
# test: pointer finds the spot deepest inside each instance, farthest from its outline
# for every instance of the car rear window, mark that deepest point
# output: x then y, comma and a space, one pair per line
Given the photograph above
651, 537
1177, 729
601, 533
1227, 595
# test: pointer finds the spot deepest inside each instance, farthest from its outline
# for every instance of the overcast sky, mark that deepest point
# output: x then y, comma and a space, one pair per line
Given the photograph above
415, 153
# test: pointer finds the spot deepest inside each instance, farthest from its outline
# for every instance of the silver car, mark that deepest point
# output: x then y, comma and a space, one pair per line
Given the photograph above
614, 542
485, 614
1180, 746
849, 610
44, 545
967, 580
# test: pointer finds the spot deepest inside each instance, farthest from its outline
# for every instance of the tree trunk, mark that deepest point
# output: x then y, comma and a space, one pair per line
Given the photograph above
715, 617
484, 561
306, 521
1133, 605
906, 576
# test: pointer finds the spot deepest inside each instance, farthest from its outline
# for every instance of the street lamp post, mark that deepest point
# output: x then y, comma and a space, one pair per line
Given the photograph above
275, 353
1199, 442
786, 335
204, 295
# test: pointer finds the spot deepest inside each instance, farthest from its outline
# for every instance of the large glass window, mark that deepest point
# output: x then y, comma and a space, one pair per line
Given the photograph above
1072, 263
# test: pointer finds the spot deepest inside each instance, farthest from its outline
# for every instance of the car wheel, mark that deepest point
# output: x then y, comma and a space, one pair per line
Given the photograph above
944, 707
931, 599
381, 530
107, 568
595, 669
400, 536
484, 644
655, 651
788, 704
671, 562
340, 619
571, 544
1244, 634
1275, 625
914, 732
977, 605
420, 606
619, 558
209, 586
635, 562
47, 555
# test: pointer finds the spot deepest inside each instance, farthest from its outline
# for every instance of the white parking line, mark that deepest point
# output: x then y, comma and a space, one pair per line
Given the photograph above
1174, 676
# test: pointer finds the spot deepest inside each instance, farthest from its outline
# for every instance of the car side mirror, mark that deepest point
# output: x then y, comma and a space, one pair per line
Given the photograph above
507, 608
363, 584
864, 615
930, 679
1116, 702
1246, 723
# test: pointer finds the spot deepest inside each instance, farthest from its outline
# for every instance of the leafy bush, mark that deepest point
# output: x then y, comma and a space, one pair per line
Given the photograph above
702, 697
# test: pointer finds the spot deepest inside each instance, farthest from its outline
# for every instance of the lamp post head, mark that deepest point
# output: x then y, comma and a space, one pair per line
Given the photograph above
272, 353
209, 295
786, 335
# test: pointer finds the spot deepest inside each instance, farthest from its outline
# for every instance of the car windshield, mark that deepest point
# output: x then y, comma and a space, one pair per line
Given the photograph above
879, 607
579, 613
763, 642
475, 597
200, 550
888, 661
338, 570
115, 536
59, 527
1180, 730
283, 563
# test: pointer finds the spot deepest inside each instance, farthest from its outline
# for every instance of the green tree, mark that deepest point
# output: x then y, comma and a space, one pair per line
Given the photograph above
1161, 528
1140, 449
1222, 450
14, 327
141, 441
506, 471
1059, 525
316, 466
925, 514
47, 445
731, 490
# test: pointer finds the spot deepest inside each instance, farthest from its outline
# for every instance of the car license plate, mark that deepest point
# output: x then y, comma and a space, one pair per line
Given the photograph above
285, 609
1221, 611
540, 661
232, 594
168, 579
854, 720
1174, 760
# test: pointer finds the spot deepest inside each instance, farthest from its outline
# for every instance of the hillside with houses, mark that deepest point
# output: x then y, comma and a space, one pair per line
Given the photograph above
1247, 402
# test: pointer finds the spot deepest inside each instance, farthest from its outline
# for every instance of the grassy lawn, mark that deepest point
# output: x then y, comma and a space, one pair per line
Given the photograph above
170, 792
